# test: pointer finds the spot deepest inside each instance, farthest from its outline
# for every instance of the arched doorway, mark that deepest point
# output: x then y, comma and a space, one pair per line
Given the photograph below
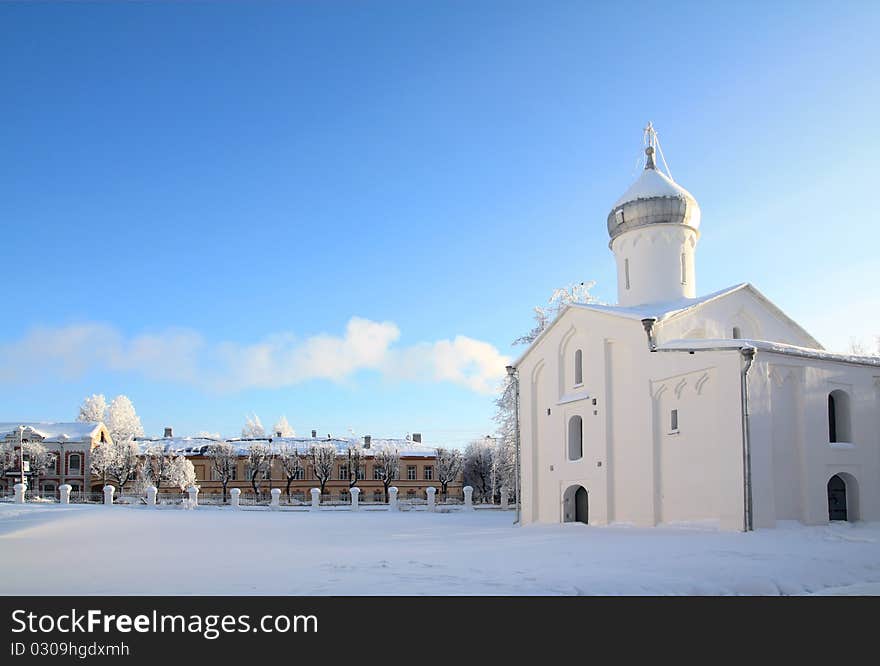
837, 498
575, 505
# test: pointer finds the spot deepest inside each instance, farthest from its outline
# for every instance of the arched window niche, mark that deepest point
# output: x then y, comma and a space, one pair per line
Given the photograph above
575, 438
578, 367
839, 418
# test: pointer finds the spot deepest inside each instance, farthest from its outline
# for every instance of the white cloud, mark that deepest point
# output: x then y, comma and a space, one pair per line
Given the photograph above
281, 359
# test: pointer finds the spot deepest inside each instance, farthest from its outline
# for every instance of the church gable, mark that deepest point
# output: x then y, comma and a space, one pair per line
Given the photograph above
743, 313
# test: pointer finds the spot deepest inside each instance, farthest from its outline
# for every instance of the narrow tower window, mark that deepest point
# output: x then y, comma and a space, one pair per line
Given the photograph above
578, 367
673, 421
737, 334
626, 272
575, 438
684, 273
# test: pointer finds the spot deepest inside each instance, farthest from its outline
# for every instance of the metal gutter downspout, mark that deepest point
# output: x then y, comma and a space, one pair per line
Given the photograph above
748, 355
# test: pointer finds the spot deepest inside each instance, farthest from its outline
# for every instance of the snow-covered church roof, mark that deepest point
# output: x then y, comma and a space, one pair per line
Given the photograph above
75, 431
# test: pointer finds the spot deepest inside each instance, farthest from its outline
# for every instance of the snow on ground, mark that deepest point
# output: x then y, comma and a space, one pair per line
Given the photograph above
139, 550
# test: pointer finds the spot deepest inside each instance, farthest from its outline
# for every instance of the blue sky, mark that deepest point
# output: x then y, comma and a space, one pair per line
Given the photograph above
193, 193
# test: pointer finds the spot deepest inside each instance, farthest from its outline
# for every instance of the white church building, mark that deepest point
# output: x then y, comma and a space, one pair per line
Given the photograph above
670, 407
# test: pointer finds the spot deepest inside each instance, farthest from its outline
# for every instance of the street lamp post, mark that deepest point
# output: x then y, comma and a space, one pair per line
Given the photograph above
21, 452
514, 377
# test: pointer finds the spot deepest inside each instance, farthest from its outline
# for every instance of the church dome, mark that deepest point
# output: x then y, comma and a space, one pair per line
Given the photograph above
653, 199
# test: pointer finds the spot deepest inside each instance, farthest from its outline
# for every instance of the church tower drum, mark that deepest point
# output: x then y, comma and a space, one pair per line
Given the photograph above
654, 229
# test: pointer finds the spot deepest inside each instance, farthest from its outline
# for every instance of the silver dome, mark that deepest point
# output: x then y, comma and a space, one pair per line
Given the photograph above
653, 199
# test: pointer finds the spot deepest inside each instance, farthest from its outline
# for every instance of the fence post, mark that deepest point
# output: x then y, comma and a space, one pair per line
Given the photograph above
151, 495
431, 492
235, 496
468, 498
108, 495
504, 498
193, 493
355, 493
392, 499
276, 499
65, 489
316, 499
19, 492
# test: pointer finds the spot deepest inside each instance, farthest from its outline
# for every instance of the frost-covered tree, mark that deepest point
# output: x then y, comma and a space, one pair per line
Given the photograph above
290, 460
224, 462
125, 463
101, 459
92, 408
39, 458
860, 348
478, 465
181, 474
122, 421
545, 315
282, 428
386, 466
259, 461
354, 460
253, 428
156, 465
8, 459
449, 466
323, 458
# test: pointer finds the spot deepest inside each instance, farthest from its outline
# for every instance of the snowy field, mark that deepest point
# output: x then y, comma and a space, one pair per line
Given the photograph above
137, 550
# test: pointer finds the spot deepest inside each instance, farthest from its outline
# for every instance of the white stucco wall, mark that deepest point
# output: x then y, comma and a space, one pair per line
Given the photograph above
637, 470
652, 255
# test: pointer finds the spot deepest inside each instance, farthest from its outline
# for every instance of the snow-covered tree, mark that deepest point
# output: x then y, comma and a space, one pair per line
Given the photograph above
323, 458
39, 458
253, 428
282, 428
449, 466
122, 421
386, 466
545, 315
181, 474
259, 461
156, 465
92, 408
125, 463
290, 460
101, 459
860, 348
478, 465
224, 462
354, 460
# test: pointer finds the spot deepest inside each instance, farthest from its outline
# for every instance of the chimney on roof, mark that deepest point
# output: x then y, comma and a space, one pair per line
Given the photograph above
367, 440
278, 433
417, 437
314, 434
169, 432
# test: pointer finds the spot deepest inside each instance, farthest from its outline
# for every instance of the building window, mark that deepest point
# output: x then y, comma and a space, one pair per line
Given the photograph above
411, 473
343, 472
626, 272
299, 474
673, 421
839, 423
377, 473
74, 464
429, 472
737, 334
578, 367
684, 268
575, 438
362, 473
